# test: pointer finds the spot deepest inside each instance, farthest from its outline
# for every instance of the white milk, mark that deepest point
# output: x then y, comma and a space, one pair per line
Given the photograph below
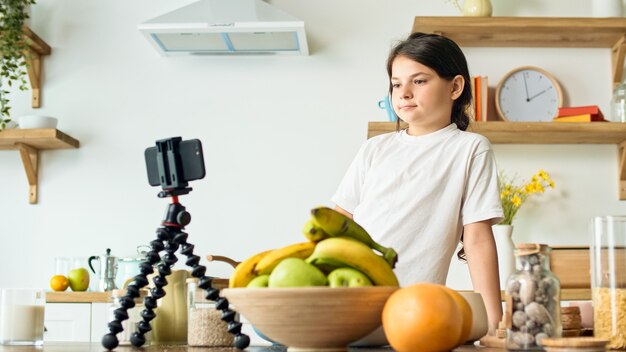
21, 324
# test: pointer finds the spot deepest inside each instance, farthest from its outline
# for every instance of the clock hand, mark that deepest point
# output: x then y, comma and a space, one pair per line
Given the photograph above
526, 86
538, 94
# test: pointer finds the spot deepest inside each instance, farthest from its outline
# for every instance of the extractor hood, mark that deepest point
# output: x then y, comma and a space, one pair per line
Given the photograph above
210, 27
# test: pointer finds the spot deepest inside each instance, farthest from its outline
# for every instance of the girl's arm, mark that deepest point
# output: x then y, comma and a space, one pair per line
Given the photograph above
343, 211
480, 250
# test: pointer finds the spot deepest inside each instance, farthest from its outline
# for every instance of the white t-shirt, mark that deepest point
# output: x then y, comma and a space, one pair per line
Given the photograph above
415, 193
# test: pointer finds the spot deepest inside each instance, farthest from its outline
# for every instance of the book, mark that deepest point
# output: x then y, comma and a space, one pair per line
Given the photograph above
480, 89
581, 110
580, 118
478, 98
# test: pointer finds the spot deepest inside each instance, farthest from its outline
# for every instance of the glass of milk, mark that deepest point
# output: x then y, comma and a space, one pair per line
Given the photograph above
21, 316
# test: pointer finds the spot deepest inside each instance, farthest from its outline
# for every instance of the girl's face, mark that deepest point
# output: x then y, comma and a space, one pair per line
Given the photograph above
420, 97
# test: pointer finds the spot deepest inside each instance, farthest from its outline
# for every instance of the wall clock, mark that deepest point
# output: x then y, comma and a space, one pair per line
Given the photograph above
528, 94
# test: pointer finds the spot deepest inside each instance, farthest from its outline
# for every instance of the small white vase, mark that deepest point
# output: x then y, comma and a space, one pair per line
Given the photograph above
505, 248
607, 8
477, 8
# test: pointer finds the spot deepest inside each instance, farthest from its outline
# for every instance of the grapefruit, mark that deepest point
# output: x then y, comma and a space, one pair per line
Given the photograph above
422, 317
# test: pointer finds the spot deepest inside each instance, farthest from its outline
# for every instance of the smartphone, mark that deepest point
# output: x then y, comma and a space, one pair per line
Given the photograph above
191, 160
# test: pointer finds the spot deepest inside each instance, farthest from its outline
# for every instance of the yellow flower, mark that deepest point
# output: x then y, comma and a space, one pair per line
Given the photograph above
513, 196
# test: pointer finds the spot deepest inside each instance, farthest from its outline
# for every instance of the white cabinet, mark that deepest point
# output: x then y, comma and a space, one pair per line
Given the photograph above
68, 322
99, 320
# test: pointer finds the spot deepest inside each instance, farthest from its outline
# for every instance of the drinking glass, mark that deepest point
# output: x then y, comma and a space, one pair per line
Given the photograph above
21, 316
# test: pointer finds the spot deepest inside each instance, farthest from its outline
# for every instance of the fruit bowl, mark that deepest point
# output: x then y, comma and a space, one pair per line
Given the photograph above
319, 318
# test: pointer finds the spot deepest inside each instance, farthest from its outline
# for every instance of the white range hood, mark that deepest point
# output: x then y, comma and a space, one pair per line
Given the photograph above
210, 27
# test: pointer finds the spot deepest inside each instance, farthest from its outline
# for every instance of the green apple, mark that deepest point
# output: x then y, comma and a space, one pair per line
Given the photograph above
348, 277
259, 281
295, 272
79, 279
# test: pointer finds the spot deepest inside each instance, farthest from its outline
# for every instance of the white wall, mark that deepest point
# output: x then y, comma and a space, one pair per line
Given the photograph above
278, 132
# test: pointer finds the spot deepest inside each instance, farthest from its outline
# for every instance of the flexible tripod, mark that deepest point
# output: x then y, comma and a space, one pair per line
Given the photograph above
170, 237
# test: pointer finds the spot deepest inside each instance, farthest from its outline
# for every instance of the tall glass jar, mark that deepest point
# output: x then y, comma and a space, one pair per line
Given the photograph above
618, 103
608, 279
533, 298
205, 326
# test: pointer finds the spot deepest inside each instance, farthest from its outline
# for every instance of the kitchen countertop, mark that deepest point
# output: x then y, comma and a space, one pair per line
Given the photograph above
96, 347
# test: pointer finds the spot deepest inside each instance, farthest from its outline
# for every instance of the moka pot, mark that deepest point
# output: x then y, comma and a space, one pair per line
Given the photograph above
108, 270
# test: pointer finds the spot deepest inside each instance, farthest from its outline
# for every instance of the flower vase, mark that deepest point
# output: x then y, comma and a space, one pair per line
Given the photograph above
505, 248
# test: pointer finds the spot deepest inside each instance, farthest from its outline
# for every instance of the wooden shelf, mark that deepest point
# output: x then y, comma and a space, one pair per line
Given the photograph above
554, 32
38, 48
29, 142
78, 297
499, 132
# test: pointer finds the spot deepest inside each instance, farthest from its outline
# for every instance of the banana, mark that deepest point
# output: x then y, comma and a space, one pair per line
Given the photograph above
355, 254
244, 272
313, 232
298, 250
336, 224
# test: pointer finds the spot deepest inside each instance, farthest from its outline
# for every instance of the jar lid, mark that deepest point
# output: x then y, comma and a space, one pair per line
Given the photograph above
575, 342
530, 248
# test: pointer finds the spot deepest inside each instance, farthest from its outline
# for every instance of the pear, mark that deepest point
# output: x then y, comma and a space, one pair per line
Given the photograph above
348, 277
259, 281
295, 272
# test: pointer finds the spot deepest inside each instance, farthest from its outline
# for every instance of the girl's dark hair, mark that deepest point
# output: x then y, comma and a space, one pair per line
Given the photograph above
443, 56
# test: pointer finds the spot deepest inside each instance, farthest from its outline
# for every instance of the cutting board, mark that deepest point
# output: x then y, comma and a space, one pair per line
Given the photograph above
78, 297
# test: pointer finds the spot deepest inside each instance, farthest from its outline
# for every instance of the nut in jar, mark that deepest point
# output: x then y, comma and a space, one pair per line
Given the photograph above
532, 299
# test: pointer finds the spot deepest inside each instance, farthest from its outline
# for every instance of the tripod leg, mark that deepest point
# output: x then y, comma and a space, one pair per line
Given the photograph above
110, 341
221, 303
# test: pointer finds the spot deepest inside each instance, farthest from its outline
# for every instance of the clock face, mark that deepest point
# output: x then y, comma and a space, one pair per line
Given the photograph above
528, 94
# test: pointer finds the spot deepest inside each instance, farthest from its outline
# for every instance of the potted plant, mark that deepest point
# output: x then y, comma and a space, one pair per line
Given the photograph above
13, 47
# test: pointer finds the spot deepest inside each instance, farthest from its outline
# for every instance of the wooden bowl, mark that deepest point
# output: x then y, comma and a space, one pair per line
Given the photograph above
319, 318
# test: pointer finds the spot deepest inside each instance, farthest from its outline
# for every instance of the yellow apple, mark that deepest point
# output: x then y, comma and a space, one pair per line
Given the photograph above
79, 279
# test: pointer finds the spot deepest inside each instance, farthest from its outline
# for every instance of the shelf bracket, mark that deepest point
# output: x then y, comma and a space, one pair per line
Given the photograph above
33, 66
617, 60
30, 159
621, 154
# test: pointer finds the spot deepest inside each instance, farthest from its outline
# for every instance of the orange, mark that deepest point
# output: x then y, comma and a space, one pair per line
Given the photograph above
59, 283
466, 313
422, 317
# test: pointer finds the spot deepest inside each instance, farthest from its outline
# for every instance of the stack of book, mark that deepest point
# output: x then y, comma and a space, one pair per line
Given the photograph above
590, 113
480, 90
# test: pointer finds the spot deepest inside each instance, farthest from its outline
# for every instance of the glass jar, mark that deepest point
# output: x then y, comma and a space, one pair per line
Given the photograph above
533, 298
608, 279
205, 326
618, 103
134, 315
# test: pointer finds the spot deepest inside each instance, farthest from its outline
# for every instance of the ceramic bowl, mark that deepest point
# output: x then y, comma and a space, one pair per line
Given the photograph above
480, 324
37, 121
319, 318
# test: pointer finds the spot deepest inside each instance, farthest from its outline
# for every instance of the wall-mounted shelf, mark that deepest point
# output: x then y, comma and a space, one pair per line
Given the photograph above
554, 32
499, 132
38, 48
29, 142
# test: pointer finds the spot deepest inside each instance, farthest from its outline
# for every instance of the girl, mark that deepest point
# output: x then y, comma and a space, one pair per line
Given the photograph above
423, 189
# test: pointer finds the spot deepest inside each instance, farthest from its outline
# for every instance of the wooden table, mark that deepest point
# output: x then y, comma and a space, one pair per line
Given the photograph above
96, 347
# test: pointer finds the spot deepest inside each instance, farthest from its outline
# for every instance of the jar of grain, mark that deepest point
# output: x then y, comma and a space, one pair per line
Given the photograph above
134, 315
533, 298
608, 279
205, 327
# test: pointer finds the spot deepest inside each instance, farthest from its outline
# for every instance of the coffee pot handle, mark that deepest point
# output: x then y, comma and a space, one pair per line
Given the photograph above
89, 261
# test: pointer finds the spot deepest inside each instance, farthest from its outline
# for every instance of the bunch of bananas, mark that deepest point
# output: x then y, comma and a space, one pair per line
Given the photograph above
336, 245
